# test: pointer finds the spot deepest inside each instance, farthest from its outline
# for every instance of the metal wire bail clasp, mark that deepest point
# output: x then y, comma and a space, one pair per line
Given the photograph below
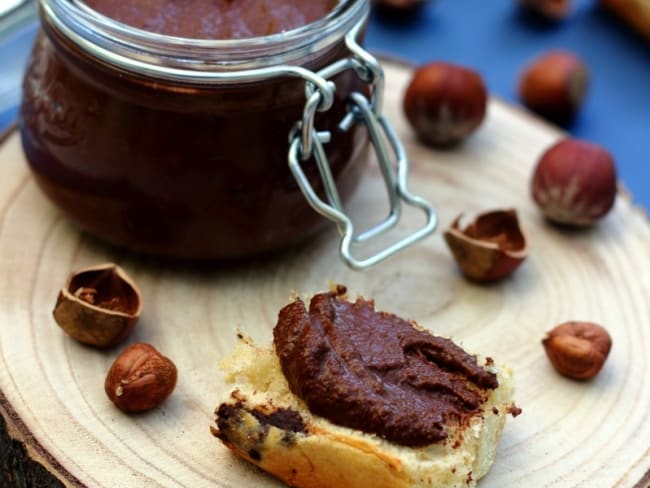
307, 142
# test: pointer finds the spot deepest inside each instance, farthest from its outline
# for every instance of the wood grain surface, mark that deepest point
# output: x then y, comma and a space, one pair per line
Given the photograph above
56, 416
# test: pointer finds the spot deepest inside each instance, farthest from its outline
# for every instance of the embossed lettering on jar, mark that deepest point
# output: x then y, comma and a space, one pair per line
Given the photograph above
130, 136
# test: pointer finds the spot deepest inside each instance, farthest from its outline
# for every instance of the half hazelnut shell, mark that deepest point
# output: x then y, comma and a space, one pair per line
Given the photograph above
99, 305
491, 247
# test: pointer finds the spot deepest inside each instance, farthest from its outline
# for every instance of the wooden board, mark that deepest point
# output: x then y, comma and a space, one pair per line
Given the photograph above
570, 434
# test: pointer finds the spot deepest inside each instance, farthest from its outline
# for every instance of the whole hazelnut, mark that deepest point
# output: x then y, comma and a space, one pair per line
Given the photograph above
444, 103
140, 378
552, 10
490, 248
98, 305
577, 350
574, 182
554, 85
399, 8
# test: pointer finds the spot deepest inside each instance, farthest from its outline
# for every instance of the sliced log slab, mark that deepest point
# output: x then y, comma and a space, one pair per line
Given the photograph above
57, 427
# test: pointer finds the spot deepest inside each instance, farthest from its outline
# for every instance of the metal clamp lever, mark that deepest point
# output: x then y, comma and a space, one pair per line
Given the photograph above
307, 142
379, 130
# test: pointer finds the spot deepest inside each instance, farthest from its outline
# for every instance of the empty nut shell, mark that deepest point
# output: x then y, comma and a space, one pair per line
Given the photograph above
577, 350
99, 305
490, 248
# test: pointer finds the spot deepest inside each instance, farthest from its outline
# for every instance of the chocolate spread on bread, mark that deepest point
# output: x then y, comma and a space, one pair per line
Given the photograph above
375, 372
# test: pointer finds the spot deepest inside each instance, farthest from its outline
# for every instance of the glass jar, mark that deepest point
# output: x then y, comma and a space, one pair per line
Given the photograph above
179, 147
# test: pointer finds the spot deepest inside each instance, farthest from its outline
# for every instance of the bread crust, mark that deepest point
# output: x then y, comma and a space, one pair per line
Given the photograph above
324, 455
317, 459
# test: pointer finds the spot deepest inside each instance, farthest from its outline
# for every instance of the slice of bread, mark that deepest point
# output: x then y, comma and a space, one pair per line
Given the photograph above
263, 422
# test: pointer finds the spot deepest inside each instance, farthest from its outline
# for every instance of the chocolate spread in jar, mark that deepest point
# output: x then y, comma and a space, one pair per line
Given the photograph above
215, 19
376, 372
182, 169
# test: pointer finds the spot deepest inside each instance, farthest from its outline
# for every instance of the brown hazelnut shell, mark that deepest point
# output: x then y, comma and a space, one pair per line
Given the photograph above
574, 182
398, 7
444, 103
98, 305
140, 378
554, 85
490, 248
552, 10
577, 350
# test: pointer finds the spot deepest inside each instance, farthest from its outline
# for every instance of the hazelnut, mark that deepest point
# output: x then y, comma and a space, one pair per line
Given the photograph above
444, 103
554, 85
140, 378
574, 182
98, 305
490, 248
552, 10
577, 350
398, 8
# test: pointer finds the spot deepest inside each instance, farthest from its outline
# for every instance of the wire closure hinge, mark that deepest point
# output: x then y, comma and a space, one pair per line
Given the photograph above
307, 142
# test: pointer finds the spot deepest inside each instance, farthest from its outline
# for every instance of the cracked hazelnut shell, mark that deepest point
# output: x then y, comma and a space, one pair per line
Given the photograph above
490, 248
140, 378
577, 350
574, 182
554, 85
444, 103
99, 305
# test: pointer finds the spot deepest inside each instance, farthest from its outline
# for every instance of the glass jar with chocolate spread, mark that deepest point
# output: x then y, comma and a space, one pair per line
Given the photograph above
192, 130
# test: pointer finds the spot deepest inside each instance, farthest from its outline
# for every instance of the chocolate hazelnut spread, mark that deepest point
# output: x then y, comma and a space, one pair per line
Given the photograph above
375, 372
215, 19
